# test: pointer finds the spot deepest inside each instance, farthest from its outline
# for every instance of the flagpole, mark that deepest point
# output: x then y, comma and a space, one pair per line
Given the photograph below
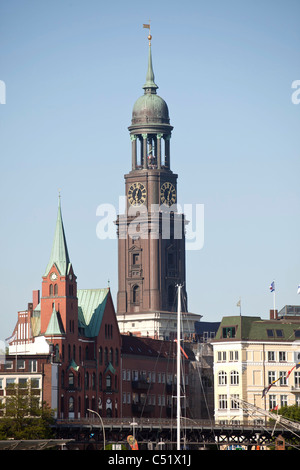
274, 300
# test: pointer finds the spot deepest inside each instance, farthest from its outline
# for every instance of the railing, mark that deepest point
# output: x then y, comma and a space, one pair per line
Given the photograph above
163, 423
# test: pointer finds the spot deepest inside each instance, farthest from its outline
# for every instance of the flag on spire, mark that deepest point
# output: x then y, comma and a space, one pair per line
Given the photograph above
272, 287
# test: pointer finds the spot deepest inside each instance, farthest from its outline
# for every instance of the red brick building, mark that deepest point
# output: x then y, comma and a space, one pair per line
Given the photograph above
73, 338
149, 378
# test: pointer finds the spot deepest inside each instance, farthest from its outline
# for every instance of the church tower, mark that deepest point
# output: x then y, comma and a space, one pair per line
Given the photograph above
59, 304
151, 234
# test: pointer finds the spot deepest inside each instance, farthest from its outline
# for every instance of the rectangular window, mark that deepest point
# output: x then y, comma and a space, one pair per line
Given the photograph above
272, 402
234, 405
297, 379
271, 377
270, 333
282, 356
22, 383
271, 356
283, 400
222, 402
229, 332
283, 379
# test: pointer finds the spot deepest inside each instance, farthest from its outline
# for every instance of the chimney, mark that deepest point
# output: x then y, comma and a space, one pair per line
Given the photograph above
35, 298
273, 314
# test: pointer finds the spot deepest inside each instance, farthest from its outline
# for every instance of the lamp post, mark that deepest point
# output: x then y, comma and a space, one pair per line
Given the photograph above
103, 430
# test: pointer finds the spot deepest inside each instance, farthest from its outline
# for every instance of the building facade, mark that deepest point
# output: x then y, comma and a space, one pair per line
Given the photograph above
149, 378
255, 360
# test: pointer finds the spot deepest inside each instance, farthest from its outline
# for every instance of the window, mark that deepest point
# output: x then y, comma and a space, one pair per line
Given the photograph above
222, 402
297, 379
283, 400
233, 356
221, 356
282, 356
272, 402
270, 333
100, 355
234, 377
229, 332
55, 289
51, 289
222, 378
108, 382
271, 377
283, 379
279, 333
71, 379
233, 404
271, 356
71, 404
136, 295
135, 258
22, 383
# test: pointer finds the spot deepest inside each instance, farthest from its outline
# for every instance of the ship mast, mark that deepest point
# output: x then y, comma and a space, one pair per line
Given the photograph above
178, 366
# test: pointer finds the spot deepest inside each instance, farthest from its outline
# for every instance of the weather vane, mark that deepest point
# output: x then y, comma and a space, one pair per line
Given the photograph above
149, 35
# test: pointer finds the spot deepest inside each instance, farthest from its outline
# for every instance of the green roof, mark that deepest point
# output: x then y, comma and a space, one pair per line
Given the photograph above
55, 326
59, 254
91, 306
246, 328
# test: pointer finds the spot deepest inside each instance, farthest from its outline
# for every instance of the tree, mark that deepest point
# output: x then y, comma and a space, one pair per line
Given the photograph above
23, 415
290, 412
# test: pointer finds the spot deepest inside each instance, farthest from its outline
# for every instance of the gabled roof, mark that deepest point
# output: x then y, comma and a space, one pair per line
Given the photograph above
55, 326
59, 254
91, 306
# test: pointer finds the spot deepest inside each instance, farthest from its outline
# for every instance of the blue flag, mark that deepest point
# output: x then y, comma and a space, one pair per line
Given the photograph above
272, 287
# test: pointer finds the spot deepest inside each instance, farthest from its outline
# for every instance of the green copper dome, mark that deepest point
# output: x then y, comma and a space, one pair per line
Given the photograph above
150, 108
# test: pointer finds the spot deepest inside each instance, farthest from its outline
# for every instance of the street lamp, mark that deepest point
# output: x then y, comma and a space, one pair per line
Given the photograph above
103, 430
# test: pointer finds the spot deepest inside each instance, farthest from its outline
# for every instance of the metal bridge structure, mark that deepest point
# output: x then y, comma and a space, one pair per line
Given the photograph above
160, 434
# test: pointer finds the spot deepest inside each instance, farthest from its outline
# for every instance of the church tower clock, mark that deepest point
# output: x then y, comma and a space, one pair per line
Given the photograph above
151, 235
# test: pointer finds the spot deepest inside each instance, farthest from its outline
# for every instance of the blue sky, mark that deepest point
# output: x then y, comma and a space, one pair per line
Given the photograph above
73, 70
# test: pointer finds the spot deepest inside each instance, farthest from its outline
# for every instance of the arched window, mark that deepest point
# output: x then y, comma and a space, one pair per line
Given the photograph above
105, 356
51, 289
55, 289
100, 381
234, 377
100, 355
136, 295
222, 378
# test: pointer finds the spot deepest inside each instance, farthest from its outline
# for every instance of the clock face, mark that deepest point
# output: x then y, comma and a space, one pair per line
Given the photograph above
168, 194
137, 194
53, 276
